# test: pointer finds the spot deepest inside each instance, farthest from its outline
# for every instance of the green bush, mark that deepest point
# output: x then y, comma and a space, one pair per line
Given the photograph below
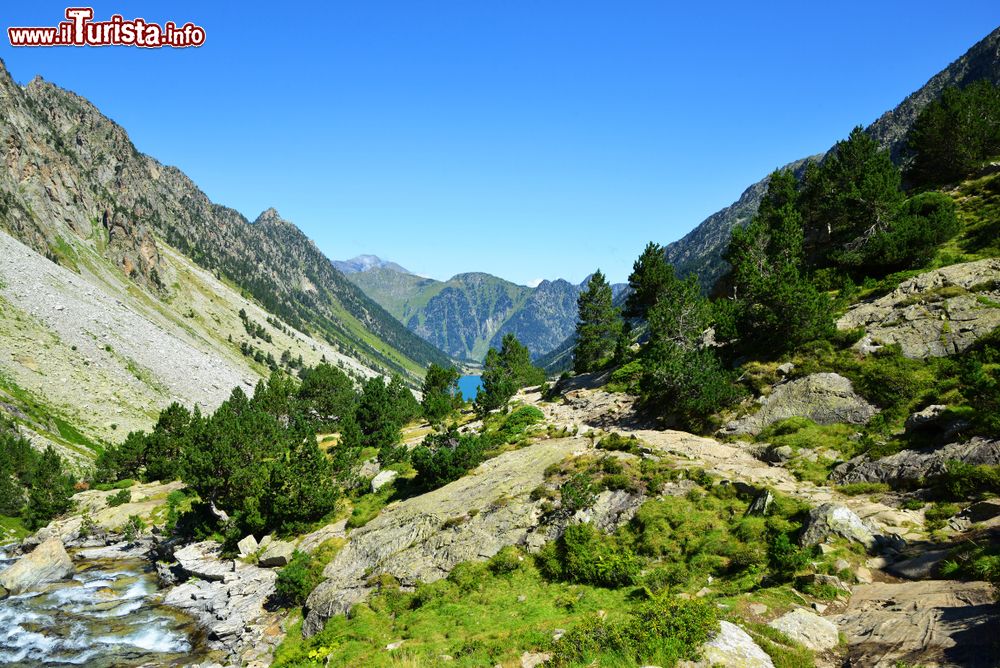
661, 631
442, 458
577, 493
297, 579
586, 556
615, 442
122, 497
506, 561
785, 558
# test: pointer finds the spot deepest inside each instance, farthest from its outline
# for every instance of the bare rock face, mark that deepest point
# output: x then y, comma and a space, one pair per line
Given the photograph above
808, 628
48, 562
422, 538
824, 398
934, 622
912, 466
938, 313
231, 609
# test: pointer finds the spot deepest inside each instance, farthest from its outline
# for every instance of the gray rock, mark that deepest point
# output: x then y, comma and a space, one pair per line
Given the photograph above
825, 398
786, 369
982, 511
312, 541
247, 546
921, 623
732, 647
761, 503
808, 628
831, 519
48, 562
232, 611
934, 314
278, 553
203, 560
382, 479
534, 659
407, 540
920, 567
910, 467
925, 418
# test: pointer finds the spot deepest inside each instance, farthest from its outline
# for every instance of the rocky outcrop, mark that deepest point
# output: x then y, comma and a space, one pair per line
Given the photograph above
808, 628
824, 398
935, 622
831, 520
48, 562
421, 539
231, 609
911, 467
938, 313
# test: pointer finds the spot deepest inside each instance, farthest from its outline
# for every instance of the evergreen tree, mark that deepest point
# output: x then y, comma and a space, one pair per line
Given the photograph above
164, 445
326, 397
650, 273
598, 327
954, 134
50, 493
854, 194
379, 419
440, 390
504, 372
777, 307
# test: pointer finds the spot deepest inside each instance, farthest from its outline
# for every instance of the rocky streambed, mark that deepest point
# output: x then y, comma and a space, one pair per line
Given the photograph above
105, 612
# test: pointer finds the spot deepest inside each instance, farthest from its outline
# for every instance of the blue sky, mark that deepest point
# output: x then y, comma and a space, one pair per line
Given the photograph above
526, 139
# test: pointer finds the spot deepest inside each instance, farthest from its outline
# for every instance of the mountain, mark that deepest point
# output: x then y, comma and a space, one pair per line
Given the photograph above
124, 288
366, 263
470, 313
69, 163
700, 250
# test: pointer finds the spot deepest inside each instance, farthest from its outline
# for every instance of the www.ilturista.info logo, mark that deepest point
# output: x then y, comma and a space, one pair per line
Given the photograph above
80, 30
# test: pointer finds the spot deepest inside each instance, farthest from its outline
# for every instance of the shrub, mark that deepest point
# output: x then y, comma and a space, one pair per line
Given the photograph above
615, 442
297, 579
577, 493
505, 561
589, 557
133, 528
663, 631
122, 497
785, 558
442, 458
856, 488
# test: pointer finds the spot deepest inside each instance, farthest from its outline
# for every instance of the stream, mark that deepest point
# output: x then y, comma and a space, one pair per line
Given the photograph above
107, 614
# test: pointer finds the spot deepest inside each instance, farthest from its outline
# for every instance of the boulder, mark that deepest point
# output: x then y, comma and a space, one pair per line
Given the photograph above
203, 560
919, 567
278, 553
311, 541
832, 519
382, 479
48, 562
824, 398
808, 628
983, 511
925, 418
731, 647
935, 314
911, 467
247, 546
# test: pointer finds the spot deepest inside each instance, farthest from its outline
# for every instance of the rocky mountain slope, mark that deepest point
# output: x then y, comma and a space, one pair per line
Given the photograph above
72, 178
470, 313
700, 250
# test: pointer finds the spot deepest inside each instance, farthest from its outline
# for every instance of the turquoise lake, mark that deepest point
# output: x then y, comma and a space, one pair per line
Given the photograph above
469, 386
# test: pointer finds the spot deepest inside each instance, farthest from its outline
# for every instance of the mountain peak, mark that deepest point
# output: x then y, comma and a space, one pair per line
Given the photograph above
269, 216
366, 262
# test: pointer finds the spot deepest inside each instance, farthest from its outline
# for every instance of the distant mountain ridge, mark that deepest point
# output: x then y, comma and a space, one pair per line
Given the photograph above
700, 250
73, 176
470, 313
366, 263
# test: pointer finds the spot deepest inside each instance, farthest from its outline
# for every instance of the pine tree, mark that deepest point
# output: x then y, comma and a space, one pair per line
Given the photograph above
440, 390
650, 273
598, 326
504, 372
854, 194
